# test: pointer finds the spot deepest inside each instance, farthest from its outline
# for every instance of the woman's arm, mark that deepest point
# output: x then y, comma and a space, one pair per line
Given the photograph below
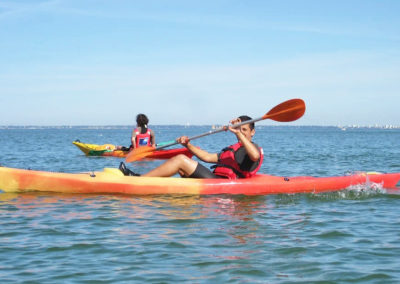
152, 138
133, 139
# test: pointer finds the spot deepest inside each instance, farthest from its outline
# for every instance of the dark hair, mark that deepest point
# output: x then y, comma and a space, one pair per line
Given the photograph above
142, 121
245, 118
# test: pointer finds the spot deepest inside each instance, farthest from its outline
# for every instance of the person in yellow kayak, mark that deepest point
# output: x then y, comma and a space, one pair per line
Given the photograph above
240, 160
141, 135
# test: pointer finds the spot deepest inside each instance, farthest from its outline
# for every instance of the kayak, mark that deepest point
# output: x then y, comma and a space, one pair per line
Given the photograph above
111, 180
109, 150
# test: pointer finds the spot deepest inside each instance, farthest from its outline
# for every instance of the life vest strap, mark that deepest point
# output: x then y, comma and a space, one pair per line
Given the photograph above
238, 174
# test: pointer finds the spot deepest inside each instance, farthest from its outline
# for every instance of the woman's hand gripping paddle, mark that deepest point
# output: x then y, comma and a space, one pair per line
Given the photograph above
290, 110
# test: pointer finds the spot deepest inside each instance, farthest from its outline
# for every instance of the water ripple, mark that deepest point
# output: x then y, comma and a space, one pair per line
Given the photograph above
340, 237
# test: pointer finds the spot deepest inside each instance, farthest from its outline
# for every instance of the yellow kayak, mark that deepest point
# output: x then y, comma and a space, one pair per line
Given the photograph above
109, 150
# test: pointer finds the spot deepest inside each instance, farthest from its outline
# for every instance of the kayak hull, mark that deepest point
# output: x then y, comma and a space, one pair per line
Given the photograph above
112, 181
109, 150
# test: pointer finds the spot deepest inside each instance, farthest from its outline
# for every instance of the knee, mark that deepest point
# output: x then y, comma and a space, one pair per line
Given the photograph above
180, 158
183, 161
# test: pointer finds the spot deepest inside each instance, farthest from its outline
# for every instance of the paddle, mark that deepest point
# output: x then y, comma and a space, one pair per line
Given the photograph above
290, 110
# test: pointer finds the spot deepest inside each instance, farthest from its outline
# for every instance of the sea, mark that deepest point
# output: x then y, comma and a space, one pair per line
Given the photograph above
351, 236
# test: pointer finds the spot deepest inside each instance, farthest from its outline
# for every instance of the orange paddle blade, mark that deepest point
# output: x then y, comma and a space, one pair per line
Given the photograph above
139, 153
290, 110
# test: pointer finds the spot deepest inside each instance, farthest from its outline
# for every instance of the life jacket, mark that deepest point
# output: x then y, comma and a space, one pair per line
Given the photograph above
143, 139
228, 167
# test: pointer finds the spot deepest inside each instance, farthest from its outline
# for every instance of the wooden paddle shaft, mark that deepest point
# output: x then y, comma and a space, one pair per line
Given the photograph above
287, 111
236, 125
223, 128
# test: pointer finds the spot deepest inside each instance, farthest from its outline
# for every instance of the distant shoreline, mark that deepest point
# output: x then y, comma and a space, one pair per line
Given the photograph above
185, 126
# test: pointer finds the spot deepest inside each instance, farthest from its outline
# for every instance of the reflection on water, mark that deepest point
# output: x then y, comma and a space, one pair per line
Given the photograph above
174, 207
261, 237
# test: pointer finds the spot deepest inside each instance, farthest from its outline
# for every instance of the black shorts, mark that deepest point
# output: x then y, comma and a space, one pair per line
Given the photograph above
202, 172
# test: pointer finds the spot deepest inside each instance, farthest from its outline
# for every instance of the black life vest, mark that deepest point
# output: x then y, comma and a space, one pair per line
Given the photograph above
228, 167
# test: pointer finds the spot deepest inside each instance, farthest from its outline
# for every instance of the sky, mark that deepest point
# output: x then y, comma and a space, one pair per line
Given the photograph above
81, 62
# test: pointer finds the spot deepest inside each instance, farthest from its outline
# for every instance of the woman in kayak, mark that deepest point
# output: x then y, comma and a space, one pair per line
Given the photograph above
239, 160
141, 135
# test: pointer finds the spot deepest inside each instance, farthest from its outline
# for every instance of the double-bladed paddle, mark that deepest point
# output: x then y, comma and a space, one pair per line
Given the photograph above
290, 110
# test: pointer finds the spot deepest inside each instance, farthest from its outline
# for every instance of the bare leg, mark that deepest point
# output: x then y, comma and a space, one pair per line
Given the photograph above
179, 163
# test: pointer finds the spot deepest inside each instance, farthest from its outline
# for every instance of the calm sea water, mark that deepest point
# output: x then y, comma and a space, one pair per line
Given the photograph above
343, 237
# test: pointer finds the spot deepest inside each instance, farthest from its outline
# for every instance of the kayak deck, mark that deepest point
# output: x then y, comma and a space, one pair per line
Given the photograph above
113, 181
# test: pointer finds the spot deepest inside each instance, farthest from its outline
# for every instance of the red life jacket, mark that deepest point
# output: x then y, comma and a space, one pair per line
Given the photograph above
227, 165
143, 139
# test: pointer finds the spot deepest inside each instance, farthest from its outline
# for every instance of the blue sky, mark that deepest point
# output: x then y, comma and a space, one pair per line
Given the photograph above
70, 62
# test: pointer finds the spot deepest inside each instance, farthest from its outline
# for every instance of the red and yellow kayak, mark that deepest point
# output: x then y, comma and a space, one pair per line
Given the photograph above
111, 180
109, 150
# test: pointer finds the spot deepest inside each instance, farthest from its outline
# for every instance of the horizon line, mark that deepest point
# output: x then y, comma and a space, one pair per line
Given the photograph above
188, 125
